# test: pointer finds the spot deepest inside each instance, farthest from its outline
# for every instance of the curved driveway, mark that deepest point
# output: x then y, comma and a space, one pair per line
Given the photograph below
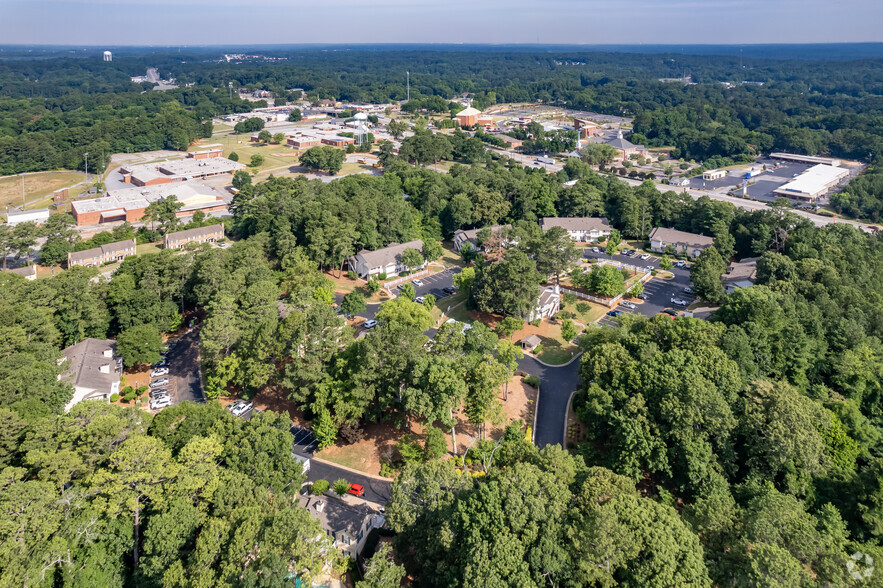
557, 383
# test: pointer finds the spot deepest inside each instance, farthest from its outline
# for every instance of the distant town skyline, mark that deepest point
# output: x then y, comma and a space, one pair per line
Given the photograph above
229, 22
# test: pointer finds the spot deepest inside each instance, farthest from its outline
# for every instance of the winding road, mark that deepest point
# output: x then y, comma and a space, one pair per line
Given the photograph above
557, 383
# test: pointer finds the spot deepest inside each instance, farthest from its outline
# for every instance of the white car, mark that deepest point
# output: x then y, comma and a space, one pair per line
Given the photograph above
645, 257
241, 407
159, 372
679, 301
627, 304
160, 403
688, 290
595, 250
159, 382
417, 283
419, 300
369, 324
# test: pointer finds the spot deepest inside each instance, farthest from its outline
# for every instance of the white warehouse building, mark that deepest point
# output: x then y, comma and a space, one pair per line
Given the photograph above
812, 184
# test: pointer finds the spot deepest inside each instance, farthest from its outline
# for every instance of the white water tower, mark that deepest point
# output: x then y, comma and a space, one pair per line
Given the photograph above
361, 127
108, 56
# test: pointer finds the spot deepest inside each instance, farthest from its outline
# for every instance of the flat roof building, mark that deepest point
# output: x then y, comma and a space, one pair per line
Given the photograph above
714, 174
805, 158
27, 216
812, 184
129, 204
511, 142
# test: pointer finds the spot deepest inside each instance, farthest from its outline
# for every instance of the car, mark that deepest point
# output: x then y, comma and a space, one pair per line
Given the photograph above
627, 304
159, 382
369, 324
159, 391
158, 397
645, 257
679, 301
417, 283
241, 409
449, 290
419, 300
614, 313
688, 290
356, 490
595, 250
235, 405
160, 403
159, 372
642, 296
670, 312
628, 252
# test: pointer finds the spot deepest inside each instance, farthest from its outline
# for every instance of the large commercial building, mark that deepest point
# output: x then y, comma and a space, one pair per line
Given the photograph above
812, 184
805, 158
625, 147
468, 117
129, 204
586, 128
198, 164
104, 254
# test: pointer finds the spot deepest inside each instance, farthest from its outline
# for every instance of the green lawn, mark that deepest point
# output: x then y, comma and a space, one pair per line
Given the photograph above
147, 248
442, 305
37, 185
556, 354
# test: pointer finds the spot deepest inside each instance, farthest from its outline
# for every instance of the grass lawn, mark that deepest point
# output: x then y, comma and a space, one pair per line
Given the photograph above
274, 155
450, 258
147, 248
556, 354
37, 185
442, 305
595, 312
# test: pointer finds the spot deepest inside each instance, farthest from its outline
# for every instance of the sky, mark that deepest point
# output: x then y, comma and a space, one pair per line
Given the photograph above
229, 22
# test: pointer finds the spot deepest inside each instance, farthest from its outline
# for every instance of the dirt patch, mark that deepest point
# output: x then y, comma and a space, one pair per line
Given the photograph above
380, 439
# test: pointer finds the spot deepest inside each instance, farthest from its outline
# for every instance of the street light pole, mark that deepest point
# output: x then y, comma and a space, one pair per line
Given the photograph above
22, 190
86, 155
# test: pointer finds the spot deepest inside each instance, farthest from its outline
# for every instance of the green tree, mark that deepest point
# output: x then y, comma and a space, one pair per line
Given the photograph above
434, 443
264, 137
140, 345
241, 179
407, 291
568, 330
279, 138
233, 156
164, 212
352, 304
412, 259
340, 486
706, 274
432, 250
295, 115
511, 285
613, 241
554, 252
381, 570
257, 160
666, 263
606, 280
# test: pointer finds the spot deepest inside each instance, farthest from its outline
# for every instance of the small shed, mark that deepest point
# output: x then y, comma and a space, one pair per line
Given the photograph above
530, 342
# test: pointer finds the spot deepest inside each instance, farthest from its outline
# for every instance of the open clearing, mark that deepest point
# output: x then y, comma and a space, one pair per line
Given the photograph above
37, 185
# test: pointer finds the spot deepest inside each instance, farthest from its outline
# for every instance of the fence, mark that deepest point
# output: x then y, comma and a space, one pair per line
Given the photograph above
609, 302
397, 281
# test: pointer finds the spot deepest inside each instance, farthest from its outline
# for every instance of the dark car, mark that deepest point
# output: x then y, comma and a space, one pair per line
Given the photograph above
449, 290
670, 312
614, 313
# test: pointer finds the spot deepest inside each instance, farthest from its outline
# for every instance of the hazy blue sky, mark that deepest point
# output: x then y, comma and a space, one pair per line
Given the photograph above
195, 22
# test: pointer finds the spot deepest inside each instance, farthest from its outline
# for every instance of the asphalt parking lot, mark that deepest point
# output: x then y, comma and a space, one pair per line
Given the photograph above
659, 291
436, 283
184, 382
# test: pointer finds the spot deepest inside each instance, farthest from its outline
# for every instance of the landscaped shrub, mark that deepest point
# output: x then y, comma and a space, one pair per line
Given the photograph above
114, 397
129, 396
141, 390
536, 323
320, 487
351, 275
538, 349
381, 276
340, 486
583, 307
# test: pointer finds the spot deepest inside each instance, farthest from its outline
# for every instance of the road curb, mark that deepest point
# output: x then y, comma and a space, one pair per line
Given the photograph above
567, 418
552, 365
342, 467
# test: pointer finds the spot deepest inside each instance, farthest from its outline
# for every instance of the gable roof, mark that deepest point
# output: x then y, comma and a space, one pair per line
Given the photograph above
387, 255
86, 360
109, 248
194, 233
471, 234
335, 515
580, 223
674, 236
623, 144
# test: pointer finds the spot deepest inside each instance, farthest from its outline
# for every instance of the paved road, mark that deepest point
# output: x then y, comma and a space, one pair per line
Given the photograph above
185, 384
305, 444
557, 383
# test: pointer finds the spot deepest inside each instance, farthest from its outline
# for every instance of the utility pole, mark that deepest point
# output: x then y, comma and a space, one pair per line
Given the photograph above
22, 190
409, 85
230, 85
86, 155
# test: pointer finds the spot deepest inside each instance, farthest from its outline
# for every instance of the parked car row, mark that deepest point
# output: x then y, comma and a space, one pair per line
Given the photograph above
159, 394
240, 407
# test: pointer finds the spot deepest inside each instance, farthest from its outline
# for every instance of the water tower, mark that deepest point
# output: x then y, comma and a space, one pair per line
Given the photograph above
361, 127
108, 56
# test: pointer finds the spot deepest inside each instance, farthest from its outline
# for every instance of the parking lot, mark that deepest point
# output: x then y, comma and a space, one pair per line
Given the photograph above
435, 283
184, 384
659, 291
